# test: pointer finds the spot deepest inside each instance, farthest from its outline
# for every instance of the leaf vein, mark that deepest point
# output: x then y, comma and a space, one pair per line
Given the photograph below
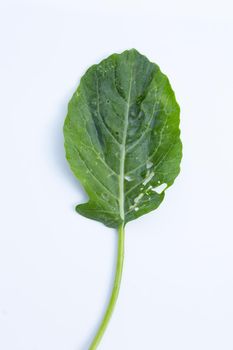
95, 177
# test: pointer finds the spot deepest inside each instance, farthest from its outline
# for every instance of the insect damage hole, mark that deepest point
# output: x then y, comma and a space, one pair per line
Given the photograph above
159, 189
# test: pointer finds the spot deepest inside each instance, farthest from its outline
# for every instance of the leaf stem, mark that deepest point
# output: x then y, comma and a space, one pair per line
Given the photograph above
115, 289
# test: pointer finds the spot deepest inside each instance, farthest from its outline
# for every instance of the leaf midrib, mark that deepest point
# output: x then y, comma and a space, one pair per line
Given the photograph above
122, 154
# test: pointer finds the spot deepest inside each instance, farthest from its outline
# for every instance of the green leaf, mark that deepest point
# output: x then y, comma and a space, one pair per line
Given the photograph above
122, 142
122, 138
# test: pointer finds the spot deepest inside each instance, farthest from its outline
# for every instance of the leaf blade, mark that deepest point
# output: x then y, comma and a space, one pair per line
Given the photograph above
122, 137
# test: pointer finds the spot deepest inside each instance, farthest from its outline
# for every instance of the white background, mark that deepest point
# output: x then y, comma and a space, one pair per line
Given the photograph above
56, 267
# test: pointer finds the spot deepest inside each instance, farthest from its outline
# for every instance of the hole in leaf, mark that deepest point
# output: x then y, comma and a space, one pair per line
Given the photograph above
159, 189
128, 178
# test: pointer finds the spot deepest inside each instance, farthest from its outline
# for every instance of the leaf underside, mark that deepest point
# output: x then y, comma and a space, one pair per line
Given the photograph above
122, 138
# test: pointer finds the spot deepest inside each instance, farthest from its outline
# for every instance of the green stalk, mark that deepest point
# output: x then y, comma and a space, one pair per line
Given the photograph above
115, 290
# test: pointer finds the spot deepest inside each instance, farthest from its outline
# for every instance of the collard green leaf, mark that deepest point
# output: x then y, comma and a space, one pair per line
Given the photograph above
122, 138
